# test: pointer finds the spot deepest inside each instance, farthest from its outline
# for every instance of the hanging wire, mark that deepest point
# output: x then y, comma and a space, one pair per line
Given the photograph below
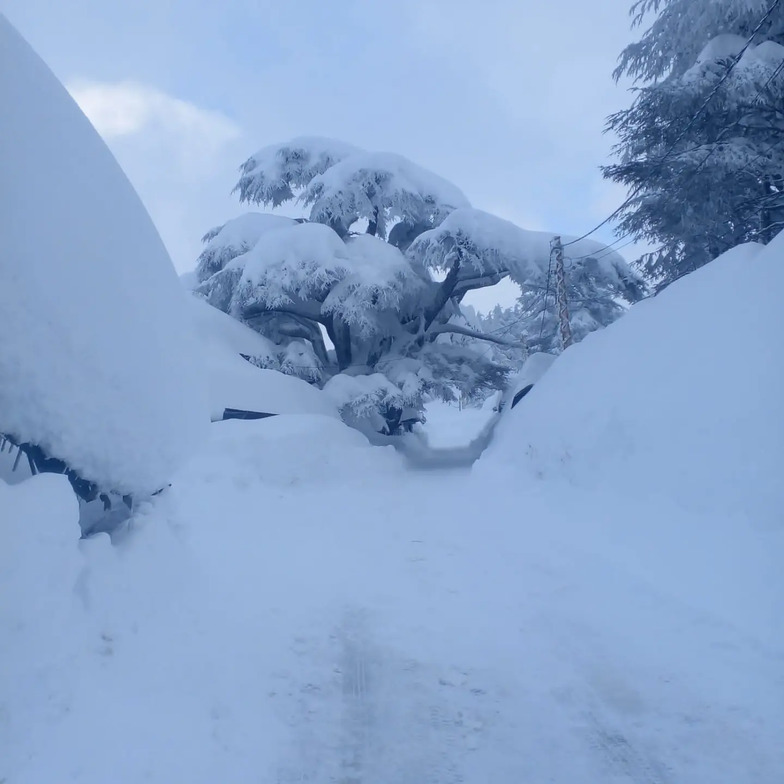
691, 122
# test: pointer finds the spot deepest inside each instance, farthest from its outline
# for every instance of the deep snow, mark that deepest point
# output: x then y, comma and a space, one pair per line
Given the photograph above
234, 382
97, 359
300, 607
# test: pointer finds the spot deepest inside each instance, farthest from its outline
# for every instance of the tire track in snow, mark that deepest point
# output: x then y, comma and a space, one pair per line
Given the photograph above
379, 718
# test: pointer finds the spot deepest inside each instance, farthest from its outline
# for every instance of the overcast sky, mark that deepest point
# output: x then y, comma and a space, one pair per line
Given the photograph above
506, 98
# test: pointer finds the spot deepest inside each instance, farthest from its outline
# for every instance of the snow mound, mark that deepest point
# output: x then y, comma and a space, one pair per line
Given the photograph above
532, 370
97, 364
236, 383
680, 398
298, 450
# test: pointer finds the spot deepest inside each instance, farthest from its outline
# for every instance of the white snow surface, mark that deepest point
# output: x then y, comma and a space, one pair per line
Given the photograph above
236, 383
534, 367
97, 364
627, 421
300, 607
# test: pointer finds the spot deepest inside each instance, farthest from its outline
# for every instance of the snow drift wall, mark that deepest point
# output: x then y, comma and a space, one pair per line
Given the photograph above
97, 362
681, 398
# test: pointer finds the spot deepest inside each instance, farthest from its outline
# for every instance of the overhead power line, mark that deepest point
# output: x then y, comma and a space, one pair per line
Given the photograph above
691, 122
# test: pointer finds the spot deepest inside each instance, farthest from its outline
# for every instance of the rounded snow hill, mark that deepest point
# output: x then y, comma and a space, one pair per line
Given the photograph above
97, 357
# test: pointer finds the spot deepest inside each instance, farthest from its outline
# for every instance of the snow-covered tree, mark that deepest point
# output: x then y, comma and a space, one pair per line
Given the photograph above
700, 147
379, 268
599, 289
343, 185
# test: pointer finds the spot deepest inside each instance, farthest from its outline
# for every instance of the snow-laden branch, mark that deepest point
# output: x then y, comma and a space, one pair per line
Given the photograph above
306, 310
472, 333
478, 282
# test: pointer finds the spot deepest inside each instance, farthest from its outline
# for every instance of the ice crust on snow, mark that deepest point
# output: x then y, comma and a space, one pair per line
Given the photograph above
97, 361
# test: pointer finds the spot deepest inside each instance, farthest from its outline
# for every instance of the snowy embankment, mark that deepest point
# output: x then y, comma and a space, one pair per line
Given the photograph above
96, 338
598, 601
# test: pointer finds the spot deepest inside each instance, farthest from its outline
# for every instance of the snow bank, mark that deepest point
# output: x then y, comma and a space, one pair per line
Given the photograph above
680, 399
236, 383
40, 621
301, 450
97, 362
532, 370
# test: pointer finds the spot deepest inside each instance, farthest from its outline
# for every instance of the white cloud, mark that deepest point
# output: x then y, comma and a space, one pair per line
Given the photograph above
181, 158
126, 108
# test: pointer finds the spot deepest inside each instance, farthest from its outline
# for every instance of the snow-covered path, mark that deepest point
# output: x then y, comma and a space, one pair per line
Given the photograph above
300, 608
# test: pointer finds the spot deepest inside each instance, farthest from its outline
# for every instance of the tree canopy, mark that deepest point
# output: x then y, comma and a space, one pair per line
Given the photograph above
369, 285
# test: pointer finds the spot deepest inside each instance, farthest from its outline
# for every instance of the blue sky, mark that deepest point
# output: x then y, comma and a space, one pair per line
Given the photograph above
506, 99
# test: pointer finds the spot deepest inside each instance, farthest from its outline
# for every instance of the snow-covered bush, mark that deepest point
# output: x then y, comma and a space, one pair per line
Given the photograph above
97, 360
378, 271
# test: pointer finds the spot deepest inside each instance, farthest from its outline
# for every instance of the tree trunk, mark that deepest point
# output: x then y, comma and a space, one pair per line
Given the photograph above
443, 294
340, 335
372, 228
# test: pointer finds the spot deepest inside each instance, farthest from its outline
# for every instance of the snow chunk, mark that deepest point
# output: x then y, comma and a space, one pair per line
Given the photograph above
722, 47
655, 405
97, 362
274, 173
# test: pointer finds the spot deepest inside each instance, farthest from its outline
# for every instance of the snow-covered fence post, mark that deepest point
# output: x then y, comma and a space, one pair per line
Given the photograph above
560, 289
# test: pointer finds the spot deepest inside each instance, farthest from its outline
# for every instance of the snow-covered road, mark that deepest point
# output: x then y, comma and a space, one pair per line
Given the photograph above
299, 607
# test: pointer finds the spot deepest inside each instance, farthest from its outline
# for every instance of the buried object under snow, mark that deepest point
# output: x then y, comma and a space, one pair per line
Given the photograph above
97, 363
